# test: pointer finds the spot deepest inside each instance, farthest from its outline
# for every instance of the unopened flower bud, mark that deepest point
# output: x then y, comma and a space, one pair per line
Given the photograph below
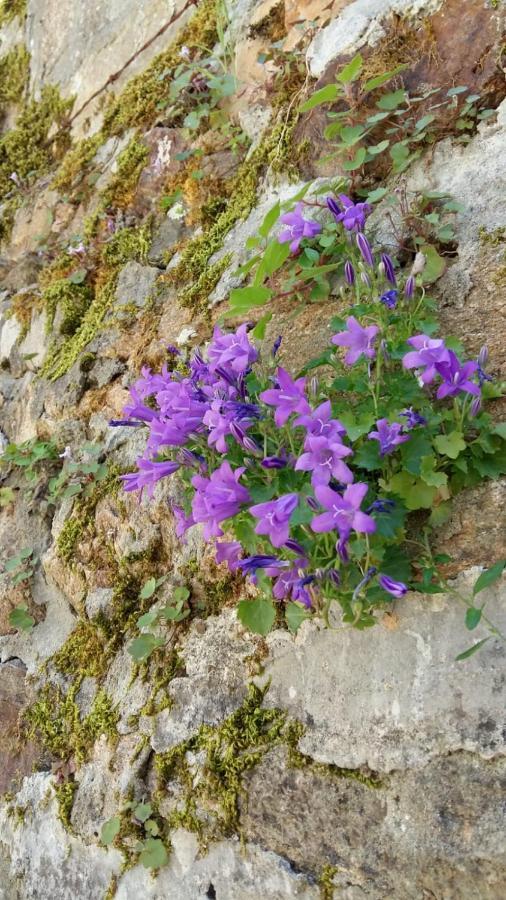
290, 544
409, 287
365, 279
419, 264
312, 503
349, 272
483, 356
237, 432
475, 406
334, 576
251, 445
365, 249
388, 268
314, 387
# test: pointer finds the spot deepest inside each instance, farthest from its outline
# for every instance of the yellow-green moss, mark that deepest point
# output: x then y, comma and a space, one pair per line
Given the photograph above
495, 238
76, 162
55, 720
65, 796
326, 882
83, 514
26, 149
83, 653
137, 105
130, 164
72, 301
126, 244
14, 75
9, 9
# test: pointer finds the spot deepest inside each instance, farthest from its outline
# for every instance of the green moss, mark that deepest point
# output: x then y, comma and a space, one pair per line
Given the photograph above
130, 164
170, 667
127, 244
137, 105
14, 75
55, 720
26, 149
72, 301
76, 162
83, 653
65, 796
9, 9
83, 514
495, 238
326, 882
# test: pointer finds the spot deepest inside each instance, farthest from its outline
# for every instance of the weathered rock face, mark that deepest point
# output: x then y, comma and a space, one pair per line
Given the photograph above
374, 764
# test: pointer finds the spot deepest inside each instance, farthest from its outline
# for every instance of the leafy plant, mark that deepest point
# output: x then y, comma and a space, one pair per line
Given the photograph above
176, 610
62, 475
151, 850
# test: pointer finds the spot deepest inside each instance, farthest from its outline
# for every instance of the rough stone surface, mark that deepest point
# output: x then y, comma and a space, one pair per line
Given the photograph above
416, 702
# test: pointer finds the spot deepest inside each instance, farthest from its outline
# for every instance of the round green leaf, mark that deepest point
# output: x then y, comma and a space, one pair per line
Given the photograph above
109, 830
257, 615
154, 854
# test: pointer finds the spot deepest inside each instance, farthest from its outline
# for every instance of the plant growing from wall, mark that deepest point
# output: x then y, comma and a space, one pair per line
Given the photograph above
312, 482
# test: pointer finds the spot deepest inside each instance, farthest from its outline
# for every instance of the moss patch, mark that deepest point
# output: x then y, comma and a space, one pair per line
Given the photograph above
14, 75
65, 796
137, 105
76, 162
83, 653
55, 720
9, 9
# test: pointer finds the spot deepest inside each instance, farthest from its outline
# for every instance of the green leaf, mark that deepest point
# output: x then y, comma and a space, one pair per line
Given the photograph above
143, 646
180, 594
392, 101
473, 616
20, 619
467, 653
147, 619
378, 80
78, 276
367, 457
358, 160
274, 256
434, 265
109, 830
148, 589
424, 121
414, 450
429, 474
143, 811
154, 854
489, 576
376, 195
440, 514
151, 827
350, 134
269, 219
351, 71
295, 615
450, 445
356, 427
415, 492
243, 299
326, 94
378, 148
258, 615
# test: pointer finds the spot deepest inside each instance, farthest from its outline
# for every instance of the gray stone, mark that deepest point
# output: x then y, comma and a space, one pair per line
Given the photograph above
10, 332
416, 702
227, 872
431, 831
167, 233
34, 344
48, 860
98, 600
128, 693
135, 287
357, 24
214, 683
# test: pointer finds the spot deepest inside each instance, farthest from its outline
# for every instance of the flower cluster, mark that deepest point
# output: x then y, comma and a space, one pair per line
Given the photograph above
304, 489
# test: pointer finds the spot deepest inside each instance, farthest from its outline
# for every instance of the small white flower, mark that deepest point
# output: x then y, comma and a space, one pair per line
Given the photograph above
67, 454
177, 211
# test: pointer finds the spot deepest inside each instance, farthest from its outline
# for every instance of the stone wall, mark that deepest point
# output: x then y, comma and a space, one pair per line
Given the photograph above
362, 768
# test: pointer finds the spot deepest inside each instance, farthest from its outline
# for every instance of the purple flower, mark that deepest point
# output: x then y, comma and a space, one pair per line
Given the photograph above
412, 418
358, 339
218, 498
231, 350
456, 377
389, 298
352, 215
320, 422
389, 436
149, 472
229, 552
381, 506
288, 397
395, 588
409, 287
298, 228
252, 563
428, 351
365, 249
371, 572
274, 462
388, 266
275, 517
349, 272
276, 345
343, 512
124, 423
183, 522
324, 458
289, 584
